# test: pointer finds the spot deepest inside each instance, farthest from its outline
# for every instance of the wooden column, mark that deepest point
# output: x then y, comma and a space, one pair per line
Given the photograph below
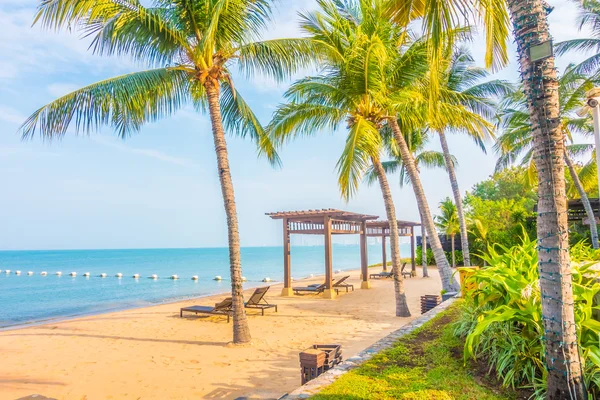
329, 291
384, 252
364, 257
412, 251
287, 268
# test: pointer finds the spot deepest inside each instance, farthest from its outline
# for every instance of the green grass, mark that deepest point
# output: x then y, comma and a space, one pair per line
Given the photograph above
425, 365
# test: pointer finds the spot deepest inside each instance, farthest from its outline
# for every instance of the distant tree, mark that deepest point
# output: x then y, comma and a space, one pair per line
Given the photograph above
447, 223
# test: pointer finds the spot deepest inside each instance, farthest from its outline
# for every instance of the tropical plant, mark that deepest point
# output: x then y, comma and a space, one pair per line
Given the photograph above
516, 142
192, 46
417, 141
589, 18
539, 79
361, 63
481, 232
503, 320
447, 223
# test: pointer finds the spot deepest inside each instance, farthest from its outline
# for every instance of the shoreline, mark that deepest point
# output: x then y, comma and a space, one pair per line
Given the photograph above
167, 301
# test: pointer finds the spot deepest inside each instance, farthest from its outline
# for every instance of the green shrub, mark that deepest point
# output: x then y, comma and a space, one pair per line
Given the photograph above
431, 259
502, 320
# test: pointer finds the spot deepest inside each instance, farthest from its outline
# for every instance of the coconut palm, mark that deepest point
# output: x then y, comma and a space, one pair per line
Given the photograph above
461, 83
530, 25
516, 143
354, 80
417, 141
447, 223
589, 18
190, 47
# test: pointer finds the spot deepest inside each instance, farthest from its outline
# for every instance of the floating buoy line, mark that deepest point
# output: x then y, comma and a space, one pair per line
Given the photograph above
120, 275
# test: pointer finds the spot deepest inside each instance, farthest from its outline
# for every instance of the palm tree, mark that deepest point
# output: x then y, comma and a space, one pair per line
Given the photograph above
448, 223
417, 141
516, 142
461, 83
354, 80
191, 47
480, 231
588, 19
530, 24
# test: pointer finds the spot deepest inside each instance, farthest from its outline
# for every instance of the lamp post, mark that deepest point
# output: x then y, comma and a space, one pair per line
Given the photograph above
593, 105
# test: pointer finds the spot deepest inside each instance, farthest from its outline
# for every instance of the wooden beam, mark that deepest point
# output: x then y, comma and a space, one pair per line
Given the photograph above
329, 292
364, 258
287, 273
412, 251
384, 253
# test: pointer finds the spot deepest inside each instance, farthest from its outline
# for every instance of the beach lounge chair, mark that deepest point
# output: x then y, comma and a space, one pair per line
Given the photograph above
405, 274
222, 308
258, 301
341, 284
313, 289
382, 274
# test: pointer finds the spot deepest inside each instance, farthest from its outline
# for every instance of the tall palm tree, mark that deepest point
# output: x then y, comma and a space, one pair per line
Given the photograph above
417, 141
589, 18
448, 223
530, 23
516, 142
350, 90
191, 47
461, 83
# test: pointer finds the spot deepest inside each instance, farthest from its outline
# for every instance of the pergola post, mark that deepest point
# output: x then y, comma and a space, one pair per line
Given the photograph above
329, 292
412, 251
364, 258
287, 290
384, 252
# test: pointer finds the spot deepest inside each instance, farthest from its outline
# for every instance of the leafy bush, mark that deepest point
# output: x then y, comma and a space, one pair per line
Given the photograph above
431, 260
502, 318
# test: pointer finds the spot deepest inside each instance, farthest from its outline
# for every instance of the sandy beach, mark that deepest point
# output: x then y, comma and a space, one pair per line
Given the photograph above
152, 353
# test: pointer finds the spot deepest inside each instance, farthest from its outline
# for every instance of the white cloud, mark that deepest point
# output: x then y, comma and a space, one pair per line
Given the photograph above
158, 155
60, 89
10, 115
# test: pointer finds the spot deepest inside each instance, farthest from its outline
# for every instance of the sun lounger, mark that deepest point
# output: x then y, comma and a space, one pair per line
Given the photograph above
341, 284
258, 301
222, 308
313, 289
383, 274
405, 274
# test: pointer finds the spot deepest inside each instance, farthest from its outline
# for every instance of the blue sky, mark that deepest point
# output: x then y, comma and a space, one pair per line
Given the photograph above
160, 188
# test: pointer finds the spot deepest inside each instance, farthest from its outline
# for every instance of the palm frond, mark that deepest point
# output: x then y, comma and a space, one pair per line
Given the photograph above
124, 103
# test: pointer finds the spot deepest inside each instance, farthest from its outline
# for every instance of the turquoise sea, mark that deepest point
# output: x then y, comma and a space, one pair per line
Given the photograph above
26, 299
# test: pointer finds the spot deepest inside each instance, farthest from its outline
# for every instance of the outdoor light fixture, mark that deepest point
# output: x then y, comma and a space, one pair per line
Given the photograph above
541, 51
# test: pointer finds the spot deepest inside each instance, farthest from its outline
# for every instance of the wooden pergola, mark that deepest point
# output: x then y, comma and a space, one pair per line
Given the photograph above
324, 222
381, 229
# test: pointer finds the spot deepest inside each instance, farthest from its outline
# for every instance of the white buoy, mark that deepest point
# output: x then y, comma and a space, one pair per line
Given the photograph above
29, 273
17, 272
217, 278
195, 277
58, 273
153, 276
86, 274
119, 275
7, 271
73, 274
103, 275
244, 279
267, 279
174, 277
43, 273
136, 276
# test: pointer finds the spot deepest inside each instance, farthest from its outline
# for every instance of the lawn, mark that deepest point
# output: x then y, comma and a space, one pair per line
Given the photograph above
425, 365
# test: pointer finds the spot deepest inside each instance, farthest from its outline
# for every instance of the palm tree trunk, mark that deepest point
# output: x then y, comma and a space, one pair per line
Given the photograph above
453, 252
540, 82
241, 331
584, 199
449, 283
401, 304
423, 246
464, 236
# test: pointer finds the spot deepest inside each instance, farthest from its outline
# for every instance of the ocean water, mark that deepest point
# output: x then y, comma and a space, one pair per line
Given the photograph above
28, 299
